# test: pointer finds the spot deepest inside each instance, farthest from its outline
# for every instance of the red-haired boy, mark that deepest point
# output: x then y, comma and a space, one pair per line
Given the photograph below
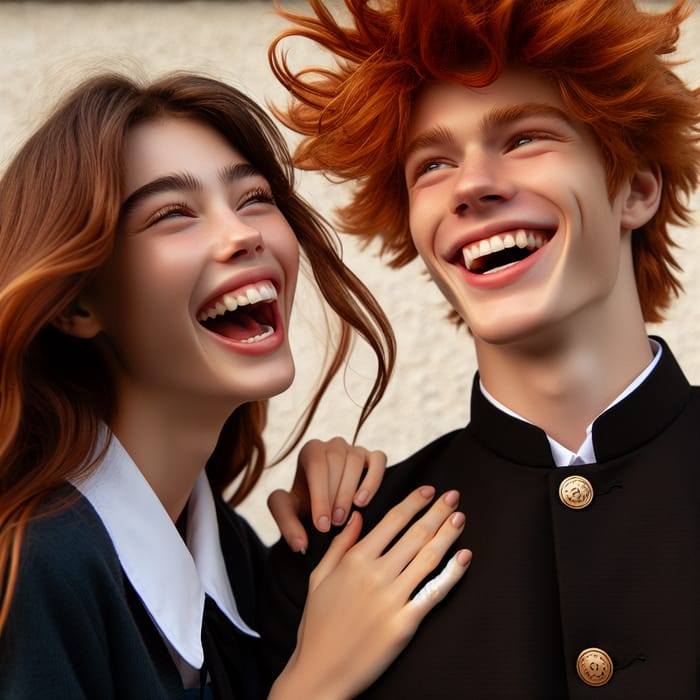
534, 154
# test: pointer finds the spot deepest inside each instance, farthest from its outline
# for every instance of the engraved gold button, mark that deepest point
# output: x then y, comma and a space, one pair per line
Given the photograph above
576, 492
594, 666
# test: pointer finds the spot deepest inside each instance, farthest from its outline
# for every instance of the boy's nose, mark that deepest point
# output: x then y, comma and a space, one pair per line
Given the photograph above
481, 184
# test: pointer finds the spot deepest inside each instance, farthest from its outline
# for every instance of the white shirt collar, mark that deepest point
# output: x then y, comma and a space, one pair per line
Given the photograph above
563, 456
170, 577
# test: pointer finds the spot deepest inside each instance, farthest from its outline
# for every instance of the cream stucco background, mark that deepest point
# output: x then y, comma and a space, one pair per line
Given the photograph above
46, 47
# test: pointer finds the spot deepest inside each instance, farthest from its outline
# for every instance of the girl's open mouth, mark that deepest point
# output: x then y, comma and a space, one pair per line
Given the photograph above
246, 315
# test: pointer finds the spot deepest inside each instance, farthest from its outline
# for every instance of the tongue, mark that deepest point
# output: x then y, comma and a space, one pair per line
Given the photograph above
235, 327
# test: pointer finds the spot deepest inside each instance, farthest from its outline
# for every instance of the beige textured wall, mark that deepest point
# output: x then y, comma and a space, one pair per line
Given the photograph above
46, 47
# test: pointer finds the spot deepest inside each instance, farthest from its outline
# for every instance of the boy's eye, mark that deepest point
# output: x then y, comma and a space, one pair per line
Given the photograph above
527, 138
428, 166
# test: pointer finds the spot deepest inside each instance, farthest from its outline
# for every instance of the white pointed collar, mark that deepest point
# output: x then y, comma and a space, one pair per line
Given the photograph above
170, 576
564, 457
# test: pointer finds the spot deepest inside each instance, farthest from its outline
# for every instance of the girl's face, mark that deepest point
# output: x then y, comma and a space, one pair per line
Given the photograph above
194, 304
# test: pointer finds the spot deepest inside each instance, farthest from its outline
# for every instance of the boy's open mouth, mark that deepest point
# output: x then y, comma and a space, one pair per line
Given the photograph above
245, 315
503, 250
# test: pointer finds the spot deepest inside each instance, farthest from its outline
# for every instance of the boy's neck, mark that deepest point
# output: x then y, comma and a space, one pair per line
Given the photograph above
561, 384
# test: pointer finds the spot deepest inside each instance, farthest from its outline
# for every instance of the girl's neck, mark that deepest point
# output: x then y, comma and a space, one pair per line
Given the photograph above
170, 444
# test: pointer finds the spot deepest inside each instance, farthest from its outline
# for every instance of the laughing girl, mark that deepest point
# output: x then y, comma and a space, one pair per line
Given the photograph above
149, 246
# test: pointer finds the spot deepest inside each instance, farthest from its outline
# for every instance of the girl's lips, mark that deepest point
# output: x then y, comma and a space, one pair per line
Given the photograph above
247, 314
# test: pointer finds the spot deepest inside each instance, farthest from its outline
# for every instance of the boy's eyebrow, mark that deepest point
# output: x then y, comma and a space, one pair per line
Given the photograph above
495, 118
436, 136
500, 116
186, 182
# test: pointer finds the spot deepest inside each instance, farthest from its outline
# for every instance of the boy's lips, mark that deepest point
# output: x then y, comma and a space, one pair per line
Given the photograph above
247, 314
503, 249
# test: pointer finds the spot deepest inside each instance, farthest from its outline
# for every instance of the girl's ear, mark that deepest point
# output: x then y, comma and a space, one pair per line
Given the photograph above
78, 321
643, 198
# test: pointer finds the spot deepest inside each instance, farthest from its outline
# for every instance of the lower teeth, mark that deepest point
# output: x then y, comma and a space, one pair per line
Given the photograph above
502, 267
267, 331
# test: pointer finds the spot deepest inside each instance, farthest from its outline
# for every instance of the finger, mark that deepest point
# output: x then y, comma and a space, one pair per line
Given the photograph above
439, 586
354, 460
421, 533
284, 507
376, 541
318, 481
375, 463
430, 555
341, 543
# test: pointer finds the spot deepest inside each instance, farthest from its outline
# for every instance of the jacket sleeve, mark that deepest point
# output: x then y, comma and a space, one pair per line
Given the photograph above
282, 599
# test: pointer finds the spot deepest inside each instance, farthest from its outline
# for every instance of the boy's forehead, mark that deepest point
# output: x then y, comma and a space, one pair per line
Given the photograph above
513, 88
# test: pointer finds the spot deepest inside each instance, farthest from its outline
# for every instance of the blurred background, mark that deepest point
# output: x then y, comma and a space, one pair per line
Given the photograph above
46, 47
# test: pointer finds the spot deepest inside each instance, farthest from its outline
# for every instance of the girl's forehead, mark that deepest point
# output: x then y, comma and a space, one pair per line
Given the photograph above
174, 145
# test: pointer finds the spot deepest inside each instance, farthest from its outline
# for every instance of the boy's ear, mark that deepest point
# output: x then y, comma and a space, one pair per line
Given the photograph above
643, 198
77, 320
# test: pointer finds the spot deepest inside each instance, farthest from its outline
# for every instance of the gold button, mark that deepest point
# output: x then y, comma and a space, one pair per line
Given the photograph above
576, 492
594, 666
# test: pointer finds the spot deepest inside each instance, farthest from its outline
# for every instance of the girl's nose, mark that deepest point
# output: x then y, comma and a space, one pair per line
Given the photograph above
238, 239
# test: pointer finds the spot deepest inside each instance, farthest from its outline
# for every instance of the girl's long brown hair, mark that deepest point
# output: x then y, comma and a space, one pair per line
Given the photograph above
60, 202
608, 59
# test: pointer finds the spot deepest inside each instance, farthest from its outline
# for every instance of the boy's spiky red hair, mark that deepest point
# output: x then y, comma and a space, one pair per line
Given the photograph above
606, 57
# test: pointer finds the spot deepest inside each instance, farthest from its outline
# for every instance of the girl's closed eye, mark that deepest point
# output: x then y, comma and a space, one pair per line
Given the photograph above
170, 211
258, 195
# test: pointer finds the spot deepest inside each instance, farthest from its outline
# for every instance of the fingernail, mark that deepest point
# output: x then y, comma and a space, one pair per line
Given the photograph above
451, 498
457, 519
323, 523
298, 545
338, 515
463, 557
362, 497
427, 491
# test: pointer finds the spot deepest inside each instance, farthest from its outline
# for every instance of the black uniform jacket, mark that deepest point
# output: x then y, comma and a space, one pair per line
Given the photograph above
548, 581
78, 630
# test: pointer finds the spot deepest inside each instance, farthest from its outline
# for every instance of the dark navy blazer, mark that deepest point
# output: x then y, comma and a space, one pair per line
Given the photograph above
547, 581
77, 629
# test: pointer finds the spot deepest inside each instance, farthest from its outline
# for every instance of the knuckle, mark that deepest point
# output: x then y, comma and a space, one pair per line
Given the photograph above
430, 558
422, 532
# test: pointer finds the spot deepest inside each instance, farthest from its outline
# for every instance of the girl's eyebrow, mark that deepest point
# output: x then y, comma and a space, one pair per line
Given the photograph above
183, 182
238, 171
186, 182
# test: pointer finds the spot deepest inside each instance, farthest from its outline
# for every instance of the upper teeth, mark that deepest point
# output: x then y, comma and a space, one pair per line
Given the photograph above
230, 302
520, 238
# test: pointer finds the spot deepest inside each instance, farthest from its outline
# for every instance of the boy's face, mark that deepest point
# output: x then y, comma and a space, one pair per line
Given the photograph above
509, 207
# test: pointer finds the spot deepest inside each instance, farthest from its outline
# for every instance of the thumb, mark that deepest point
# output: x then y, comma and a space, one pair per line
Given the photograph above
340, 545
